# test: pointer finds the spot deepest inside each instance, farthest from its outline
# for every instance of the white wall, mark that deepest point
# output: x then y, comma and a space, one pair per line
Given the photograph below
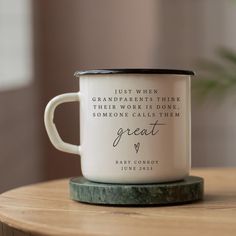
21, 161
192, 30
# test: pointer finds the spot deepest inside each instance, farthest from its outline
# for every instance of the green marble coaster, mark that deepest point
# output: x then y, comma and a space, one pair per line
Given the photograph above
188, 190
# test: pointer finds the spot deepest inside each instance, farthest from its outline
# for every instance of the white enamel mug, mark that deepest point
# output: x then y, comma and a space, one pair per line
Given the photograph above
135, 125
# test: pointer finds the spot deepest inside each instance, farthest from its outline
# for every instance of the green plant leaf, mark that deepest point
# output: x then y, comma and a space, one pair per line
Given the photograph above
227, 55
216, 78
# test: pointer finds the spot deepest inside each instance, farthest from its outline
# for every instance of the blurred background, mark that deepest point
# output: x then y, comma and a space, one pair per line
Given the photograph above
42, 43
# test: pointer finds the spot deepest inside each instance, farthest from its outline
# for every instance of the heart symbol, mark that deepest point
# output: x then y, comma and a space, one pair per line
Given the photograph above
136, 147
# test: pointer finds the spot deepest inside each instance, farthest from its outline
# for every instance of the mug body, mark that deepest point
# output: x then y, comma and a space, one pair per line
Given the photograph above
135, 127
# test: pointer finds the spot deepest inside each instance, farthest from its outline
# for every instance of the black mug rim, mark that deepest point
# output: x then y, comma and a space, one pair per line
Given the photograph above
134, 71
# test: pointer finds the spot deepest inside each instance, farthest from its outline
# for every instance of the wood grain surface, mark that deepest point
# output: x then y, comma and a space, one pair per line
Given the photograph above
45, 209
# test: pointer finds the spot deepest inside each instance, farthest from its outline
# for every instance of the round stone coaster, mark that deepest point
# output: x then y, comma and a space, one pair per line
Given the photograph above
188, 190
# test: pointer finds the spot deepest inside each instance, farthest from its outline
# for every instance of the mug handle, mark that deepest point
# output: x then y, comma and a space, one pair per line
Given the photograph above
50, 126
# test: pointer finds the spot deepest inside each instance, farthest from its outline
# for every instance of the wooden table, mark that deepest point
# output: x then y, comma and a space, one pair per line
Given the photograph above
45, 209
